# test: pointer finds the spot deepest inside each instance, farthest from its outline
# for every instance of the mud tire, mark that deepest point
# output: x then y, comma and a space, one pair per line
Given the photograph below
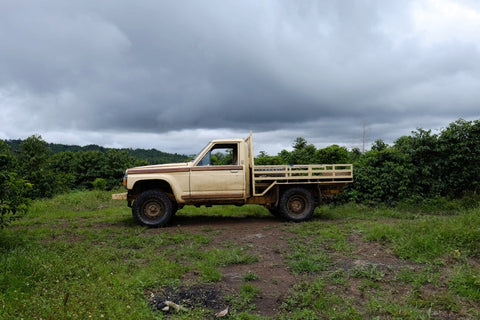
296, 204
153, 209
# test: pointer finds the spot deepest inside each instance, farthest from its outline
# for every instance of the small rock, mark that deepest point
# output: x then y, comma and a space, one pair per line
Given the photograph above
177, 307
222, 313
161, 306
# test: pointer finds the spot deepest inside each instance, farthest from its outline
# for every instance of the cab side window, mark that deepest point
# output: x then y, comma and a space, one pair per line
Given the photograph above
221, 155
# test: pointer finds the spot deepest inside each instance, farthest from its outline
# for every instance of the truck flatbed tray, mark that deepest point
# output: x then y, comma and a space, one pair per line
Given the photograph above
324, 172
267, 176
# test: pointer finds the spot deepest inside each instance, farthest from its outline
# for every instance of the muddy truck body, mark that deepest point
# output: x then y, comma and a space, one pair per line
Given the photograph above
224, 173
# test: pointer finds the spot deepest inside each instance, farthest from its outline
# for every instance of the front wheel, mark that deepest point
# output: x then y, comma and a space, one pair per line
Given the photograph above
296, 204
152, 209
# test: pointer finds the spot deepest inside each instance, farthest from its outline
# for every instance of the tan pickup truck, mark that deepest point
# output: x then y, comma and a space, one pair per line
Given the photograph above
224, 173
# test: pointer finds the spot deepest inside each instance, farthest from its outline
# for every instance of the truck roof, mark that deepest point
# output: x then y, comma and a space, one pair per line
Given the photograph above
228, 140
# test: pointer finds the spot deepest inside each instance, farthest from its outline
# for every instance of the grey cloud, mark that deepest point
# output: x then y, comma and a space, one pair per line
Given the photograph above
317, 69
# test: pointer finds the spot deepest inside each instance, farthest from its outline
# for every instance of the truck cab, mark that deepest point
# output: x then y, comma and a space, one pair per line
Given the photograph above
220, 173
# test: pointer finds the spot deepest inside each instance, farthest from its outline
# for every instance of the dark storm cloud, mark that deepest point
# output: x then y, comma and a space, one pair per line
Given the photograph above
317, 69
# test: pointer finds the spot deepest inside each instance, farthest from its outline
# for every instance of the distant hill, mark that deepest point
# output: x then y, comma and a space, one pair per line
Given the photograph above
152, 156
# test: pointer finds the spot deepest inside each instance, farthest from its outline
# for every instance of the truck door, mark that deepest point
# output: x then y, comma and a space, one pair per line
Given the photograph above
218, 175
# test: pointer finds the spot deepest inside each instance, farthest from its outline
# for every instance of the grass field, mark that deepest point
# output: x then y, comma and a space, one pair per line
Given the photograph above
81, 256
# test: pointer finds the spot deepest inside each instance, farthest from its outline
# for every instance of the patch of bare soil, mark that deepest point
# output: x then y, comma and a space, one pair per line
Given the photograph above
371, 261
266, 240
266, 237
263, 237
372, 253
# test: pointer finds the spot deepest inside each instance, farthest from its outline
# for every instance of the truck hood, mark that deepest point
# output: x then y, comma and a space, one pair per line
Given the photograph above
160, 168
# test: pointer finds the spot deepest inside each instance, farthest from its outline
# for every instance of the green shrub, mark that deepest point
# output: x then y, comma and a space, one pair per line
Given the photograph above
99, 184
13, 190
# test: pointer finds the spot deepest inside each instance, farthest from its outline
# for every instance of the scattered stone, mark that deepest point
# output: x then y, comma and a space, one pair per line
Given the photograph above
177, 307
162, 306
222, 313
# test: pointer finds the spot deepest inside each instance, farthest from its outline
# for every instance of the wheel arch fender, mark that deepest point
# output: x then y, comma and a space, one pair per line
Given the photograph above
311, 188
164, 184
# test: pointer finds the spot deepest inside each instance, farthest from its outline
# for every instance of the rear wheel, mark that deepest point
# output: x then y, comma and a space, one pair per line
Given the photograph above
152, 208
296, 204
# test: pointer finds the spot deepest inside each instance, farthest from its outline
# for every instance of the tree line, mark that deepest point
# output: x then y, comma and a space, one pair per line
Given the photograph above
32, 169
420, 166
151, 156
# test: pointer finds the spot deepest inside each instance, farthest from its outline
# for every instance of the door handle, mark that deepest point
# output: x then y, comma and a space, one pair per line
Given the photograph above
234, 171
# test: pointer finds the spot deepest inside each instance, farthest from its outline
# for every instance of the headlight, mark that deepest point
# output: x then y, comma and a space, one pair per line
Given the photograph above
125, 180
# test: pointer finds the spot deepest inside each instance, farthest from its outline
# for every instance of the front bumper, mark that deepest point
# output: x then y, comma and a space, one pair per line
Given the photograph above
119, 196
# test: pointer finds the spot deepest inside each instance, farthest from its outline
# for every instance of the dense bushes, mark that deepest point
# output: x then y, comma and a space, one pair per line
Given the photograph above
13, 189
382, 176
32, 171
420, 166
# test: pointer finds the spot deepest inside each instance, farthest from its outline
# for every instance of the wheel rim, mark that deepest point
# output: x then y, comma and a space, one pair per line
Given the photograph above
296, 205
153, 210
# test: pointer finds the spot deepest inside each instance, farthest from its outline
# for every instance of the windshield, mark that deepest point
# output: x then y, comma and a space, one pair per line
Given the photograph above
198, 154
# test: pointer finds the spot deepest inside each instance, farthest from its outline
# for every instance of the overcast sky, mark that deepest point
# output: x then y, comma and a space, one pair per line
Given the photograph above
173, 75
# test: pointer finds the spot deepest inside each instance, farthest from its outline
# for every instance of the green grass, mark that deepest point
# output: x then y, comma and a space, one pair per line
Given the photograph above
466, 282
430, 237
244, 300
303, 259
429, 275
252, 211
81, 256
369, 271
439, 249
250, 276
314, 300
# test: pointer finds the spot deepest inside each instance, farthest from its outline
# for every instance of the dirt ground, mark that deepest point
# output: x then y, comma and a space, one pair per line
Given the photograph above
267, 238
